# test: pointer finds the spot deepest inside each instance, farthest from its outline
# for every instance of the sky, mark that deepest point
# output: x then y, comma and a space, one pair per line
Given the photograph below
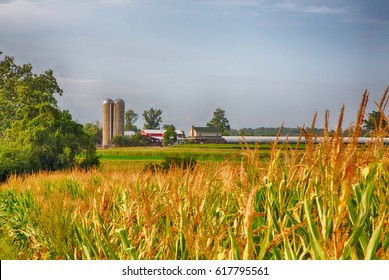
265, 62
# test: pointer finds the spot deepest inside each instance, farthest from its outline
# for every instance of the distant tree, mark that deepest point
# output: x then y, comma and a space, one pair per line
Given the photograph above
152, 118
246, 131
170, 135
270, 131
374, 122
219, 120
234, 132
95, 131
130, 118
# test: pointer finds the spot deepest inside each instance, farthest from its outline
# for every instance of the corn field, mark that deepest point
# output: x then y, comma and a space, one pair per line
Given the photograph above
328, 201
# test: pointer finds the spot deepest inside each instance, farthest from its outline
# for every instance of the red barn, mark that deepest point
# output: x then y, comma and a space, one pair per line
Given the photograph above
156, 136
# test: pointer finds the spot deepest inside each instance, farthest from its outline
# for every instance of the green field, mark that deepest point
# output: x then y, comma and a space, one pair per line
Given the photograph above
206, 152
138, 157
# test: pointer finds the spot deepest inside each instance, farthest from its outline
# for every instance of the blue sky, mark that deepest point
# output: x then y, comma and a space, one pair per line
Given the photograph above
264, 62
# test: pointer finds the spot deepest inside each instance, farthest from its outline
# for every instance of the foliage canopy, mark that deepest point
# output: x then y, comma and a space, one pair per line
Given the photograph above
152, 118
170, 135
130, 118
219, 120
34, 133
131, 141
95, 131
375, 122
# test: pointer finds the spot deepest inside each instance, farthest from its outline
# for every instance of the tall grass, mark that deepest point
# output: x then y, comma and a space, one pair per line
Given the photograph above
329, 201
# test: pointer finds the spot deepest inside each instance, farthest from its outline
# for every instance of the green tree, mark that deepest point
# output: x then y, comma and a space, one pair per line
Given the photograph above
219, 120
375, 122
152, 118
95, 131
170, 135
130, 118
139, 140
23, 94
34, 133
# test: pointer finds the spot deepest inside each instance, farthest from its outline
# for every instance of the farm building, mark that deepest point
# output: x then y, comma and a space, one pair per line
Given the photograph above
205, 135
292, 139
156, 136
263, 139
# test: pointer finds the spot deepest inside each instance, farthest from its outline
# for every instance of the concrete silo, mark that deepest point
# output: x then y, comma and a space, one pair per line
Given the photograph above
118, 117
113, 120
108, 109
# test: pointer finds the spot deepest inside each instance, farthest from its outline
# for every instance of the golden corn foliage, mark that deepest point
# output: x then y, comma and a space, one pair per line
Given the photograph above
329, 201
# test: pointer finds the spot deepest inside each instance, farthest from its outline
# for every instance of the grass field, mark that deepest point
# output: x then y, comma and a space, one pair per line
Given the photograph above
206, 152
213, 153
324, 201
138, 157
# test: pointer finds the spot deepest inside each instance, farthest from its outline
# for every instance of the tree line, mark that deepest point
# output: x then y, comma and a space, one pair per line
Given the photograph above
153, 120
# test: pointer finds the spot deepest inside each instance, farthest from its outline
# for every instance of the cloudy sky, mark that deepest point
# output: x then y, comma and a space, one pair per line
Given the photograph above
265, 62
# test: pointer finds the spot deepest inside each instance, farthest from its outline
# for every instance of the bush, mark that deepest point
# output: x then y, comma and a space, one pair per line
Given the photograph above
186, 162
131, 141
121, 141
169, 162
15, 161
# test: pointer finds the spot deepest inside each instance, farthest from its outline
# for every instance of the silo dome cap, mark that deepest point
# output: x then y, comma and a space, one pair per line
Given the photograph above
108, 100
118, 100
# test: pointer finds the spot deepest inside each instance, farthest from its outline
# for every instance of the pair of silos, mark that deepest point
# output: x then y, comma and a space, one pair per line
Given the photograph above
113, 119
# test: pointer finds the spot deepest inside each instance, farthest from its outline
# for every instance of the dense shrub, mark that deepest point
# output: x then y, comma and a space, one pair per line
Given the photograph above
130, 141
169, 162
15, 160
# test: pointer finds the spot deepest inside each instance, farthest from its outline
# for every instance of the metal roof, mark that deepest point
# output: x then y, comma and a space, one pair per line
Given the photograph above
207, 129
291, 139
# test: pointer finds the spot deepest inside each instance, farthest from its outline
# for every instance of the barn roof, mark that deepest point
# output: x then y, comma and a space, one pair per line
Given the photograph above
207, 129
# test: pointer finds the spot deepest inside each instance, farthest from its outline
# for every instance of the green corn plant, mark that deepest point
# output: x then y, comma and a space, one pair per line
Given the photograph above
360, 216
314, 234
374, 241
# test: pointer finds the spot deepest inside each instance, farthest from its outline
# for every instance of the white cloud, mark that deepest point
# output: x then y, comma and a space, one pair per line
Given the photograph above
114, 2
67, 80
341, 9
323, 10
300, 7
